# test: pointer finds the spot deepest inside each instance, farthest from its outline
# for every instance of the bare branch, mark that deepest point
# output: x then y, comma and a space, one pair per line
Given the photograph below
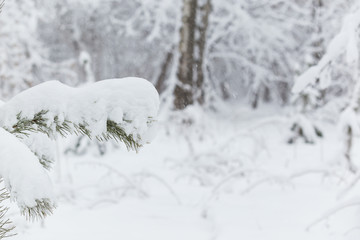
333, 211
2, 4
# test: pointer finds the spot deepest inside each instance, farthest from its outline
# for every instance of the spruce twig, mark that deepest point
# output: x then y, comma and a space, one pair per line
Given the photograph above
44, 160
116, 132
43, 208
40, 123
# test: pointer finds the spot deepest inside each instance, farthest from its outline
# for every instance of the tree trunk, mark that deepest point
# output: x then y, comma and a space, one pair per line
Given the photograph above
160, 83
190, 85
348, 147
318, 43
204, 12
183, 90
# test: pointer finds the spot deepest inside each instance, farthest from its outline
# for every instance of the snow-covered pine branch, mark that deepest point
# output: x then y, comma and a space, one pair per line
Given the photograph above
121, 109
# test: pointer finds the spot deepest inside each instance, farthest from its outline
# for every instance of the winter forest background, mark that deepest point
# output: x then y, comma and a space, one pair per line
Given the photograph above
258, 128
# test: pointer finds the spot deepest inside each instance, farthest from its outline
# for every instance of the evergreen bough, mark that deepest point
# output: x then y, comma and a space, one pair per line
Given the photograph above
39, 123
59, 117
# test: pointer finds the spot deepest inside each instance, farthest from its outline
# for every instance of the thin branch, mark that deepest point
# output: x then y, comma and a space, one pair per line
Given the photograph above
333, 211
2, 3
164, 183
352, 184
288, 178
117, 173
230, 177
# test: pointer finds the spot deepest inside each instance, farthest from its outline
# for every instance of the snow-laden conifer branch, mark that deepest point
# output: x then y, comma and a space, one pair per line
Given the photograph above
120, 109
39, 123
43, 208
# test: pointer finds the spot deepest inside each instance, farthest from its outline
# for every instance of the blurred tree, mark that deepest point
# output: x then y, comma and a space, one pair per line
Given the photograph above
197, 53
220, 49
193, 34
327, 87
21, 55
342, 51
239, 48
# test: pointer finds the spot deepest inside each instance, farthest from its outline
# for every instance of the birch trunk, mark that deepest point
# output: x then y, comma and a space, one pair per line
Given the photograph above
204, 13
183, 93
191, 70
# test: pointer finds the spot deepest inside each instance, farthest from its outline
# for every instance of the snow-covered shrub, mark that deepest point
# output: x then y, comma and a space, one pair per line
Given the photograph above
303, 128
338, 67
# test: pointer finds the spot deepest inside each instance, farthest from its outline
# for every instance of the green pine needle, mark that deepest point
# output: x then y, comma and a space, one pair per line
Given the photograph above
43, 208
40, 123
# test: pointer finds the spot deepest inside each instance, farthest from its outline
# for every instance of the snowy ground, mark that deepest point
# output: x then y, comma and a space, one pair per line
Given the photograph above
228, 176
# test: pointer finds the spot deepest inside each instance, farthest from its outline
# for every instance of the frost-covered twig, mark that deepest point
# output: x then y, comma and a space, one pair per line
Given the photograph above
351, 230
200, 179
268, 178
288, 178
112, 201
332, 212
163, 182
253, 127
350, 186
241, 173
112, 170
